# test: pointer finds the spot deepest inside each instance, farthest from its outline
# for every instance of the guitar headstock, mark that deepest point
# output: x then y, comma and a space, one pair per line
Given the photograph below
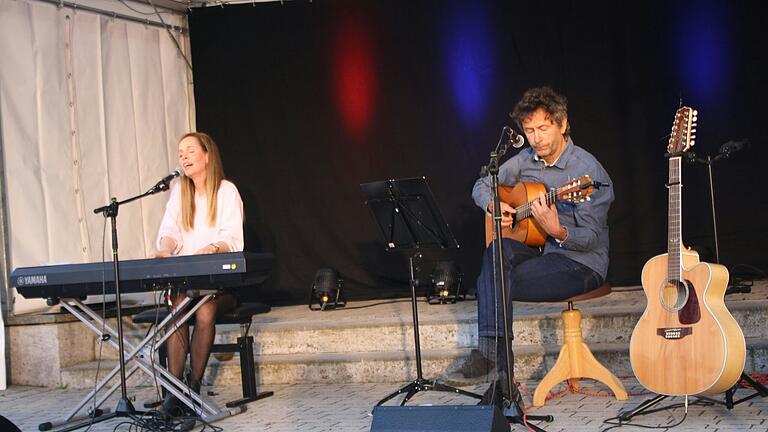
683, 129
576, 190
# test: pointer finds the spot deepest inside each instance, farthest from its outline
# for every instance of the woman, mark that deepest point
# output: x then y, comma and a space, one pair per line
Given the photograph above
204, 215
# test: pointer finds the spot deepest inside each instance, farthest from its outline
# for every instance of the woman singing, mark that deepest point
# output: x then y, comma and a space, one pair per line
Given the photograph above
204, 215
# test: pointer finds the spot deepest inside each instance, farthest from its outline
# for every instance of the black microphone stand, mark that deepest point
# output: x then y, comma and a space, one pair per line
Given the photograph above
512, 409
124, 406
724, 153
760, 389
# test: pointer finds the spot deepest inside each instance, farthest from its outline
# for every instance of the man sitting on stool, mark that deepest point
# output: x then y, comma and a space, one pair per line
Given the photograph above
574, 259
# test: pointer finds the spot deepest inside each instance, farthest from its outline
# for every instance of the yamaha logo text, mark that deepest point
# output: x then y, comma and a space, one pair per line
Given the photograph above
32, 280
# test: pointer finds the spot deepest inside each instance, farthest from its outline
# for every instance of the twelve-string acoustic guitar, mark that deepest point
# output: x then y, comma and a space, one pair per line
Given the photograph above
686, 342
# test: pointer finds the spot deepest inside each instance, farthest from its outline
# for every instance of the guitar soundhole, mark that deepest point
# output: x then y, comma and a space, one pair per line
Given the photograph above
674, 295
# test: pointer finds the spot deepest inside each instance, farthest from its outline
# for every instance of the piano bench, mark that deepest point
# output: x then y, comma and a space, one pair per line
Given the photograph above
242, 314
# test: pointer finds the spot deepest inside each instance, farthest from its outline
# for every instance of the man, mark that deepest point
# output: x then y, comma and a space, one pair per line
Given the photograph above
574, 259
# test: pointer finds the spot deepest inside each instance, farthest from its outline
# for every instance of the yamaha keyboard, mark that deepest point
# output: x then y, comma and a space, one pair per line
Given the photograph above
214, 271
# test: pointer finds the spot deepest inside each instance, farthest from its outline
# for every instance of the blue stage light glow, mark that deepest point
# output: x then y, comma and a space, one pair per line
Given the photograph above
468, 53
703, 46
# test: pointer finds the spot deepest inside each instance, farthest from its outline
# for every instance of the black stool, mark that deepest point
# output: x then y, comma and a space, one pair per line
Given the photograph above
242, 315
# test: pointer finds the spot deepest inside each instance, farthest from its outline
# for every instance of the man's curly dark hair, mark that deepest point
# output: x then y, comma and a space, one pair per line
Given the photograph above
552, 102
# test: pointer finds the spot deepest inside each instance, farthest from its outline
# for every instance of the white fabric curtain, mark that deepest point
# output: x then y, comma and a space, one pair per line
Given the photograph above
2, 352
91, 107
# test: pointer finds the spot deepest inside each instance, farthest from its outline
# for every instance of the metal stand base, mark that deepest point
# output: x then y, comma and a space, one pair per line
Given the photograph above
641, 409
100, 417
421, 384
760, 390
515, 415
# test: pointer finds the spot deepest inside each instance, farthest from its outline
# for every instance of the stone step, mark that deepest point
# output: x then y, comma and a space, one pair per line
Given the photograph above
531, 362
224, 334
543, 326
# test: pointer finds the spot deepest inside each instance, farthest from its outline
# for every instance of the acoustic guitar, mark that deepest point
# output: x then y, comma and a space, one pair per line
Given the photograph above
686, 342
521, 197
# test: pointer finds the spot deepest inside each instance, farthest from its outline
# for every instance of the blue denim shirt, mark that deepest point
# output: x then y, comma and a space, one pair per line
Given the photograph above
587, 222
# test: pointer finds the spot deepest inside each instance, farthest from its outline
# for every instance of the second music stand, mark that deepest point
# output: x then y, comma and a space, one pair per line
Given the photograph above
409, 220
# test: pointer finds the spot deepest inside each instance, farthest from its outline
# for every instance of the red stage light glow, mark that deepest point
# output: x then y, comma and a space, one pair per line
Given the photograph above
354, 75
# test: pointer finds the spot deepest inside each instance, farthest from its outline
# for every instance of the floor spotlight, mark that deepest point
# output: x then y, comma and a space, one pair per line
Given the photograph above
445, 283
326, 291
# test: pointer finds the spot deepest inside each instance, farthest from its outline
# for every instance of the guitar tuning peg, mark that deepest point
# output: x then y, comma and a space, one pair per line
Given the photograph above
588, 199
693, 142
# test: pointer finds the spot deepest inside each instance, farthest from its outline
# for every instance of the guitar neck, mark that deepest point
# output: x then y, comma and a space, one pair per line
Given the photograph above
525, 210
675, 220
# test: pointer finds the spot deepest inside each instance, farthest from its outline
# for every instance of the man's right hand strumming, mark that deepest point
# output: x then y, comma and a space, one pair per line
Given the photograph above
507, 214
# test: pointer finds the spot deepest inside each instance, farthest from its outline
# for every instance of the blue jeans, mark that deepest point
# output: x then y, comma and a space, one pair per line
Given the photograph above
530, 277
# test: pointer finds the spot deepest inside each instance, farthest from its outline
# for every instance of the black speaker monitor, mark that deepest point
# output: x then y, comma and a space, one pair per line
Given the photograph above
445, 418
7, 426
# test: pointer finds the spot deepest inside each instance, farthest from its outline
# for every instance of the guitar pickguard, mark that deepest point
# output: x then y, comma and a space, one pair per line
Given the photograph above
691, 312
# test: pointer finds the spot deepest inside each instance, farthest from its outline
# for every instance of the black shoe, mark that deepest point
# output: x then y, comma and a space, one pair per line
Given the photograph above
185, 424
477, 365
171, 406
181, 417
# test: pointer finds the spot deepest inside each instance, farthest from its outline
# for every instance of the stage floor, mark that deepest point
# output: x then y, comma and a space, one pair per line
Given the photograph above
345, 407
333, 406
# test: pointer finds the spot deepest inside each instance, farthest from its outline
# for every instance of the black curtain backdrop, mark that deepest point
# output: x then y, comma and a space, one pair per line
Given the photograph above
264, 89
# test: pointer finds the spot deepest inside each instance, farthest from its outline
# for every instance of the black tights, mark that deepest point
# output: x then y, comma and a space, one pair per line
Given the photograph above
202, 337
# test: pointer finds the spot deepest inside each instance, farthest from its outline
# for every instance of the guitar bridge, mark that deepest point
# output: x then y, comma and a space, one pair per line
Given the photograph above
674, 332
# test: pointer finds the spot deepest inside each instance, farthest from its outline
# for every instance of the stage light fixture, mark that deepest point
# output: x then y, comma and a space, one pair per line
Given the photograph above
326, 292
445, 283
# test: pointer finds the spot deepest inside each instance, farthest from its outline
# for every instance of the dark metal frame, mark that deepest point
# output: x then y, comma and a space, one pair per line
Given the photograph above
420, 231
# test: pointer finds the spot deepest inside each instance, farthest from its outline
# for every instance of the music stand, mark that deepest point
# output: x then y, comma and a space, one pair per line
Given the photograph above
406, 213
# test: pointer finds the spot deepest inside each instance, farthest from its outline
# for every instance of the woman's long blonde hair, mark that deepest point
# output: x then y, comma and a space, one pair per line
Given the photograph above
214, 176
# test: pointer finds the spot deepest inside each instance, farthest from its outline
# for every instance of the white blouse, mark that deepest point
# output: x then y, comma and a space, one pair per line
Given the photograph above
228, 227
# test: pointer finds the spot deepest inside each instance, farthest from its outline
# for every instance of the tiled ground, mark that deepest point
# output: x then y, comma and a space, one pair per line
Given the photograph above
345, 407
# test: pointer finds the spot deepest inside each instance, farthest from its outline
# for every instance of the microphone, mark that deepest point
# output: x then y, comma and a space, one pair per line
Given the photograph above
733, 146
175, 173
515, 139
163, 184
